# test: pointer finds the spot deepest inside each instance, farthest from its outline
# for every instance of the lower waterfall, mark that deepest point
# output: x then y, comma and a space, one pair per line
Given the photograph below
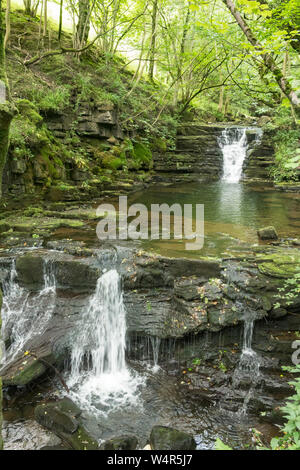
248, 367
100, 379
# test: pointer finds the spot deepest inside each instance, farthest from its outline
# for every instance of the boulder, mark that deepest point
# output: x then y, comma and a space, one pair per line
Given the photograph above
120, 443
30, 270
267, 233
63, 418
75, 274
165, 438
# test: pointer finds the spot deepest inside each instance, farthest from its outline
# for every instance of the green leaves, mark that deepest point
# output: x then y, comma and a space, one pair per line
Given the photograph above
219, 445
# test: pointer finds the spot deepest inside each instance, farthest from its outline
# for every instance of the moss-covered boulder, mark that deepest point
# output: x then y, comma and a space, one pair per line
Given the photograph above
267, 233
165, 438
112, 162
284, 264
63, 418
120, 443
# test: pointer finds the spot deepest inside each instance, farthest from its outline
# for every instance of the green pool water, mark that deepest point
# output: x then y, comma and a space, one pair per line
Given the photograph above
232, 214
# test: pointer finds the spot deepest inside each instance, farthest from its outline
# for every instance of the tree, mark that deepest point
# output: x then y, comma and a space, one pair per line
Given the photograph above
83, 24
7, 109
267, 57
153, 40
31, 7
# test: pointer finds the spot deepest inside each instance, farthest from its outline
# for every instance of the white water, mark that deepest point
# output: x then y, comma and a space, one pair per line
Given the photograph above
249, 365
25, 314
233, 143
100, 379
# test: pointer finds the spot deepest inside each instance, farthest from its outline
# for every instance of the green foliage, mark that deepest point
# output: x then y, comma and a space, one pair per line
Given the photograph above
88, 90
219, 445
52, 100
290, 290
287, 155
291, 411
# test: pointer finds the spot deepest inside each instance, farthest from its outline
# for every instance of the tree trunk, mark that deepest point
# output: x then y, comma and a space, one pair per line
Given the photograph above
7, 109
7, 23
60, 19
83, 25
153, 40
45, 14
30, 7
268, 59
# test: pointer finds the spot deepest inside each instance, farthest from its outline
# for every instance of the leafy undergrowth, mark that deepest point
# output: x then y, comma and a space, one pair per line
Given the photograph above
53, 83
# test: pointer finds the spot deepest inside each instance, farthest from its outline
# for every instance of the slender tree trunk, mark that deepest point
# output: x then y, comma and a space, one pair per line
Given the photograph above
221, 99
153, 40
7, 109
7, 23
45, 15
83, 25
60, 19
268, 59
30, 7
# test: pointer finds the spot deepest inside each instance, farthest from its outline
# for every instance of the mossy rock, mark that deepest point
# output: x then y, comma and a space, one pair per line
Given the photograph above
159, 145
62, 418
120, 443
63, 192
30, 270
52, 417
27, 108
26, 373
80, 440
267, 233
281, 265
112, 162
164, 438
37, 225
142, 155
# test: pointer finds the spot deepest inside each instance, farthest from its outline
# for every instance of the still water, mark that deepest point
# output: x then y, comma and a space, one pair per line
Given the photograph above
233, 212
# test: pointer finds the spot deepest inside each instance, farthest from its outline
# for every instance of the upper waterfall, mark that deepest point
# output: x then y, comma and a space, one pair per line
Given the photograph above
233, 143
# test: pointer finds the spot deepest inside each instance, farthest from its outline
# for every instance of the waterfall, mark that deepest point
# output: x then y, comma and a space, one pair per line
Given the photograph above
100, 379
155, 343
101, 344
233, 143
248, 369
25, 314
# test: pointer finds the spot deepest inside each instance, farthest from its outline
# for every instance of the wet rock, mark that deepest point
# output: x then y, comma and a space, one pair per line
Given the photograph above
28, 435
48, 348
53, 417
267, 233
29, 371
281, 264
30, 270
120, 443
63, 418
75, 274
164, 438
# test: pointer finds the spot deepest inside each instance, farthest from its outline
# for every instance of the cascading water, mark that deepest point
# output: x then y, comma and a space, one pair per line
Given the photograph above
249, 365
233, 143
25, 314
155, 343
100, 379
